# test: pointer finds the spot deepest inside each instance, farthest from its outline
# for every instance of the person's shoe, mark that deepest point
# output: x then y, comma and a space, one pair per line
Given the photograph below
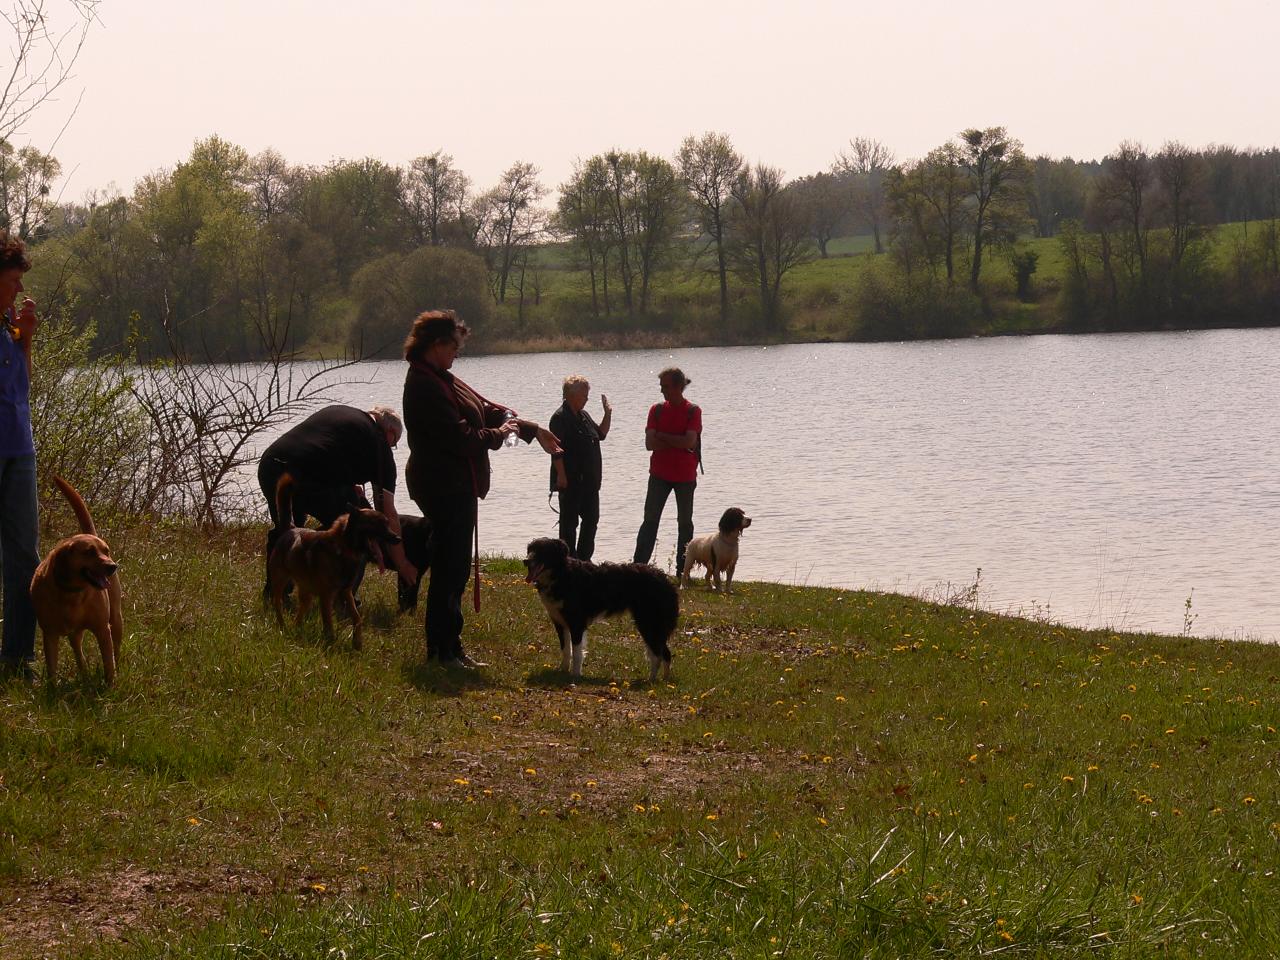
471, 662
457, 663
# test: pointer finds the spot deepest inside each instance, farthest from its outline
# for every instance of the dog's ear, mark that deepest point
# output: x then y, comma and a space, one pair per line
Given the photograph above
562, 551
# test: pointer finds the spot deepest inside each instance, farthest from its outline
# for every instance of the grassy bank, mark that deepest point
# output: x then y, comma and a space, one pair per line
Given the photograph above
832, 773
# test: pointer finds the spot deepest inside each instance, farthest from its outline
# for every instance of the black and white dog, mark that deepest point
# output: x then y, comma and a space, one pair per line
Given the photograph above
719, 551
415, 537
577, 593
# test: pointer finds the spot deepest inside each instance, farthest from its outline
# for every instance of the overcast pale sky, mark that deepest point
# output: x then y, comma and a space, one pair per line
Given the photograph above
492, 81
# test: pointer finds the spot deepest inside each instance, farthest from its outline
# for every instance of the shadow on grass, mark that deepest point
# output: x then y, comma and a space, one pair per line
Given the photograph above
558, 679
428, 676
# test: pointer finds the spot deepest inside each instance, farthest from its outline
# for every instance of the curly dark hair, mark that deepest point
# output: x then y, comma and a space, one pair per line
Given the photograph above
432, 327
13, 253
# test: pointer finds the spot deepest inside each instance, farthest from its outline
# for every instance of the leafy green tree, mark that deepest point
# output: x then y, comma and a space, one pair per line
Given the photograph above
997, 170
927, 203
395, 288
827, 205
26, 180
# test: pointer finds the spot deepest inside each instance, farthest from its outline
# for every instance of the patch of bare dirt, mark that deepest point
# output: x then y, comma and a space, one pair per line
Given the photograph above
50, 918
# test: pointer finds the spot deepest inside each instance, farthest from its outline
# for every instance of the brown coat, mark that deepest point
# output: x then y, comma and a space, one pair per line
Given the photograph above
450, 429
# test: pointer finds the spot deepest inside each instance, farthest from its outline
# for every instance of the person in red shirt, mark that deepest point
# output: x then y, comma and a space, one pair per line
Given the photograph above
674, 434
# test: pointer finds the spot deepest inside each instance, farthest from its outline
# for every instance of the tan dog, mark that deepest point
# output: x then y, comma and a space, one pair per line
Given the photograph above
324, 564
718, 552
77, 588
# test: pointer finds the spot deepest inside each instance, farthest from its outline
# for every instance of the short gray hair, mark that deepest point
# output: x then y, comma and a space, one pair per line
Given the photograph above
388, 419
575, 382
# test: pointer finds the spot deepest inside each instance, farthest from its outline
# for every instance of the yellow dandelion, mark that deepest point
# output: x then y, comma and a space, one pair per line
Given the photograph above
1249, 801
530, 772
1028, 786
362, 869
822, 821
1068, 779
194, 821
1136, 898
826, 759
1133, 688
1093, 768
840, 699
497, 718
1006, 935
713, 816
638, 808
592, 783
1125, 718
461, 781
319, 887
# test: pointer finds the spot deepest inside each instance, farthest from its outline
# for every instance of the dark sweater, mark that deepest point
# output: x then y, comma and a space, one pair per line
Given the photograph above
337, 446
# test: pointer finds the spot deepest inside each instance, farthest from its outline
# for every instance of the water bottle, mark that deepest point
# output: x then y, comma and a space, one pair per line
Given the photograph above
511, 439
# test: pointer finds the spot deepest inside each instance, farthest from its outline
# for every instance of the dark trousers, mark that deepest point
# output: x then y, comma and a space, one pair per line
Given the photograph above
654, 502
325, 502
19, 555
453, 525
579, 504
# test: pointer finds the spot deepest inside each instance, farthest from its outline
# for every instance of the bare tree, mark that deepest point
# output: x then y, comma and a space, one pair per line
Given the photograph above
434, 190
710, 166
866, 163
769, 235
46, 37
509, 218
583, 215
927, 200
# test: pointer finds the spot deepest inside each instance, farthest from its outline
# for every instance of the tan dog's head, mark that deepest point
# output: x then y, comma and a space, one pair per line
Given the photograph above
83, 559
734, 520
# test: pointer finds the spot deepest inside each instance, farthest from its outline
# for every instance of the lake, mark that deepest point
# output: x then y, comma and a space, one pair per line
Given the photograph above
1095, 480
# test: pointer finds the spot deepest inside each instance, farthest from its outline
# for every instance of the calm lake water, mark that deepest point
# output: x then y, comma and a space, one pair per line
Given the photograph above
1096, 480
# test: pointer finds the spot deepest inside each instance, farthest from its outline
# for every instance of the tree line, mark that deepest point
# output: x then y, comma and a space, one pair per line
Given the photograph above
229, 255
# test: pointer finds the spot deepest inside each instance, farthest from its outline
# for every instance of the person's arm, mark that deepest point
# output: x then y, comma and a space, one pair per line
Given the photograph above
653, 440
606, 421
387, 507
562, 476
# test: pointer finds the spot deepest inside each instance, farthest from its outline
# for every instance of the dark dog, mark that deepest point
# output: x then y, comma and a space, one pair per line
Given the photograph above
415, 537
577, 593
76, 588
324, 564
718, 552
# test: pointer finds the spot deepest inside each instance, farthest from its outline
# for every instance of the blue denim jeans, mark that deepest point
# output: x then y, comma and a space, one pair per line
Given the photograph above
19, 555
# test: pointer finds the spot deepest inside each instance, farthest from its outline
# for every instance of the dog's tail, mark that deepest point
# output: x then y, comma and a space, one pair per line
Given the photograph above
77, 504
284, 501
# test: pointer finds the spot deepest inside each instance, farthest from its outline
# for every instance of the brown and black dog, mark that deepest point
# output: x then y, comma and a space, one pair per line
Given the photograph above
324, 564
77, 588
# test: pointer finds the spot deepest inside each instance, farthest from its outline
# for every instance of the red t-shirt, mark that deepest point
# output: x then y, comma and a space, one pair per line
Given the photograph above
669, 463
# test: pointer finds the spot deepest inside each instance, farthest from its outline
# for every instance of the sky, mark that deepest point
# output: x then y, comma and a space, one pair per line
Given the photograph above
493, 82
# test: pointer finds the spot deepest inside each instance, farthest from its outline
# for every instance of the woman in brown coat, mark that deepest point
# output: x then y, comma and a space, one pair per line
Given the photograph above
451, 429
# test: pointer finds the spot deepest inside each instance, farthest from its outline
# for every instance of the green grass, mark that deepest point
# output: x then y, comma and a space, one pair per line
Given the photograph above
831, 774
